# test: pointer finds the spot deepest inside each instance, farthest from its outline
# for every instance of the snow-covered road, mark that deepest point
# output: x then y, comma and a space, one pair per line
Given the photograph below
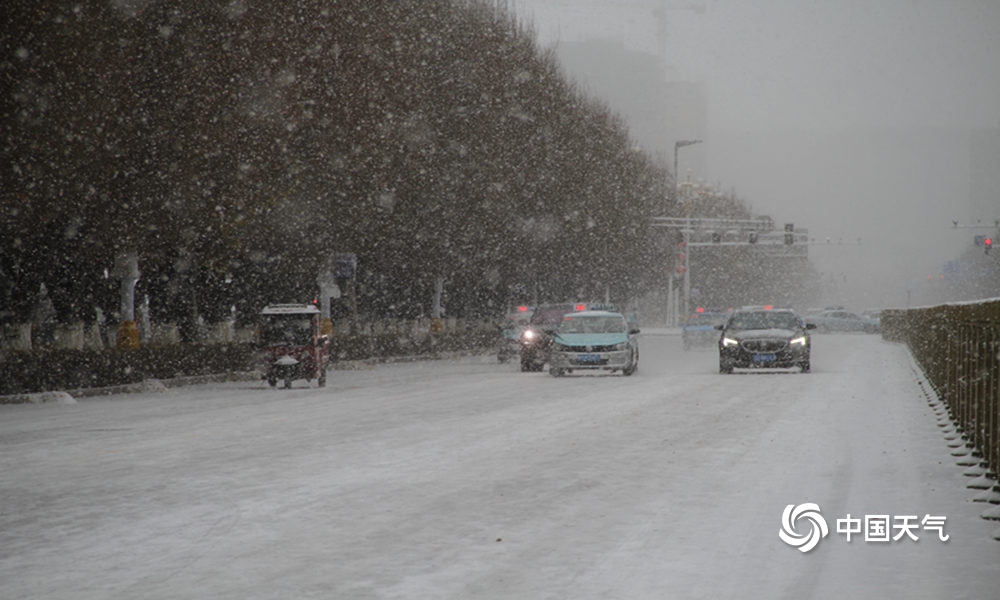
468, 479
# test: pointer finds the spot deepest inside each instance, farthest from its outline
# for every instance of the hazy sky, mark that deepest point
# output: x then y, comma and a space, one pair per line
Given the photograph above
849, 117
825, 64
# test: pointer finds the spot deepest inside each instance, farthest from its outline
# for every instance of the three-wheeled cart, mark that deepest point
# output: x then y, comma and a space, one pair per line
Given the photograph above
291, 345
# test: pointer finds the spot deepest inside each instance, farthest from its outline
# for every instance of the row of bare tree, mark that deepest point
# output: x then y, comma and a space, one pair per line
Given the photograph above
237, 147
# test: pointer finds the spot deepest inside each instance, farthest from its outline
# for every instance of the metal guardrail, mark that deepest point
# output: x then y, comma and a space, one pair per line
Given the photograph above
958, 348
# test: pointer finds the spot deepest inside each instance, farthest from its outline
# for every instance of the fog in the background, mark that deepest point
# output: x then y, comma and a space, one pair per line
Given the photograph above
852, 118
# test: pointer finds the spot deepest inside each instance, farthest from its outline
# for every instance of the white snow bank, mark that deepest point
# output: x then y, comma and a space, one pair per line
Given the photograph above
40, 398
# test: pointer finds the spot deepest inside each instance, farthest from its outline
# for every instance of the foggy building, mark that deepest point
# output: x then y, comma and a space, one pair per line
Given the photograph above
637, 85
984, 175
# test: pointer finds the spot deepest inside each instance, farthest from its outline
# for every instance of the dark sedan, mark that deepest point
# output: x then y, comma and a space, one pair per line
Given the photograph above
770, 339
842, 320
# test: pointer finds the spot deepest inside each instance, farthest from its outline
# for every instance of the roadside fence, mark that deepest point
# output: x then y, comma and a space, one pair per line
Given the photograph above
958, 348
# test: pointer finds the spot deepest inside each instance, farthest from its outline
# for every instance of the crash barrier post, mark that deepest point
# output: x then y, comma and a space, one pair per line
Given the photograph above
958, 348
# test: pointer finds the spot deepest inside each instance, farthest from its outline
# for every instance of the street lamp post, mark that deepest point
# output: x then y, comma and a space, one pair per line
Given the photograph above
687, 230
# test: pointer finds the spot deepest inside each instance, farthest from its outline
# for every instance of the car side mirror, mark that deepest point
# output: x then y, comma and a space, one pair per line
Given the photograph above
720, 327
633, 330
810, 326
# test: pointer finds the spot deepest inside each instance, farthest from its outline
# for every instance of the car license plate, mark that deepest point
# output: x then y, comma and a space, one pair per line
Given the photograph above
763, 357
588, 358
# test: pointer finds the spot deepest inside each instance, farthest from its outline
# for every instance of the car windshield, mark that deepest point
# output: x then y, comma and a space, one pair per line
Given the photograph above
577, 324
764, 320
550, 316
286, 330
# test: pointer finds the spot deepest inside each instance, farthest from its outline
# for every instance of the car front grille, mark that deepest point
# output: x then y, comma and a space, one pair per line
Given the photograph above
765, 345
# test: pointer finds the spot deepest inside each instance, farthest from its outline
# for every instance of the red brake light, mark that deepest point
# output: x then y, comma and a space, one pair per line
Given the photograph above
769, 307
700, 309
522, 309
581, 307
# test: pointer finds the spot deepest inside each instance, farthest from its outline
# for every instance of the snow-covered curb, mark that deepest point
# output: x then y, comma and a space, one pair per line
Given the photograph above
39, 398
162, 385
149, 385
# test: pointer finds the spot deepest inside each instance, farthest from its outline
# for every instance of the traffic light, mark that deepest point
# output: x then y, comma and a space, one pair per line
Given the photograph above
789, 234
987, 245
753, 237
716, 237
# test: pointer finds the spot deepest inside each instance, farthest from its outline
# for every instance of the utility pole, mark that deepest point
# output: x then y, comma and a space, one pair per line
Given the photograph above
672, 309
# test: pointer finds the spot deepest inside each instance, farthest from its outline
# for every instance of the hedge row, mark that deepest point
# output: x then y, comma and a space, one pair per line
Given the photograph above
58, 369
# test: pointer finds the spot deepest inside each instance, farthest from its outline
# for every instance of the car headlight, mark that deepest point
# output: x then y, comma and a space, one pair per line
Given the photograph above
727, 342
799, 341
560, 347
528, 335
621, 346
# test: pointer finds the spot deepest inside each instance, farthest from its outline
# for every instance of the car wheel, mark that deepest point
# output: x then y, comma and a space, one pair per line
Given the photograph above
272, 381
725, 367
632, 366
805, 366
556, 372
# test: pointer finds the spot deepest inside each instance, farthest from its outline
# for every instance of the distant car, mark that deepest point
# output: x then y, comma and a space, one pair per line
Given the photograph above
536, 339
699, 328
875, 315
842, 320
511, 328
594, 340
776, 338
